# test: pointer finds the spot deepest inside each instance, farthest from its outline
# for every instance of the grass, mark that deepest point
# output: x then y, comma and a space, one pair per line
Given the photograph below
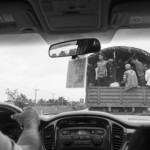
52, 109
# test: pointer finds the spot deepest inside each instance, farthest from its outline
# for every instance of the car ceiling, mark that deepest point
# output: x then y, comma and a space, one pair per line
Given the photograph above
72, 19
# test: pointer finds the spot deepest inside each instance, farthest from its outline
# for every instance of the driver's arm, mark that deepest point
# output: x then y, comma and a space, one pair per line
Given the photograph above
6, 143
30, 138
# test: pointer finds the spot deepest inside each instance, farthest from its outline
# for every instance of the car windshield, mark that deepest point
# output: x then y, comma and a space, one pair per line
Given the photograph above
30, 77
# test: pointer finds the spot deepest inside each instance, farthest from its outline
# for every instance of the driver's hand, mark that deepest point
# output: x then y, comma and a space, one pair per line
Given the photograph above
28, 118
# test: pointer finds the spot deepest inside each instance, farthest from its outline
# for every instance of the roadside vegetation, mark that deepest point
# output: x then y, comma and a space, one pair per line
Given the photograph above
50, 106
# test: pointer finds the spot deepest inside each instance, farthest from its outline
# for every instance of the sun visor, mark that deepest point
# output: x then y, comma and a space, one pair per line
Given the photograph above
66, 15
18, 17
131, 15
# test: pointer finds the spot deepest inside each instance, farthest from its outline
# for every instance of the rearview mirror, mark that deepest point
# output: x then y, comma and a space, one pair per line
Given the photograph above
74, 48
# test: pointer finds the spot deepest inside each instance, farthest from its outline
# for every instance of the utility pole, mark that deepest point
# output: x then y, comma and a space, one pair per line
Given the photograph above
36, 90
53, 94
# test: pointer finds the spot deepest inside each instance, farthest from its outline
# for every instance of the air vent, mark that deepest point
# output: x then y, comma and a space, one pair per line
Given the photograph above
48, 138
64, 124
117, 137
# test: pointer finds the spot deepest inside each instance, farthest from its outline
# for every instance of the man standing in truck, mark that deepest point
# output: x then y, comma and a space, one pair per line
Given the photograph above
111, 70
101, 71
139, 70
120, 70
129, 78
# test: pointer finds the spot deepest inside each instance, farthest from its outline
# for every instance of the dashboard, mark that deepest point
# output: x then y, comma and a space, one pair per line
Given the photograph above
88, 130
78, 132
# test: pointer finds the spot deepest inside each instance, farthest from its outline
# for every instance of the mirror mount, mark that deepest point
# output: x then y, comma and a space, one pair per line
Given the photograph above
75, 57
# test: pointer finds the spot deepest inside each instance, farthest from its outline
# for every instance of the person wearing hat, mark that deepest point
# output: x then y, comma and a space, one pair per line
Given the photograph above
129, 78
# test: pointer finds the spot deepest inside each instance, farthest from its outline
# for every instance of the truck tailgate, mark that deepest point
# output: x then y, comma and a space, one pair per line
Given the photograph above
117, 97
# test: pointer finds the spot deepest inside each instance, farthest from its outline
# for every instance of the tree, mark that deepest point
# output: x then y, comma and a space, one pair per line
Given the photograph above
54, 55
30, 101
73, 51
42, 102
62, 53
12, 95
51, 102
19, 100
23, 98
62, 101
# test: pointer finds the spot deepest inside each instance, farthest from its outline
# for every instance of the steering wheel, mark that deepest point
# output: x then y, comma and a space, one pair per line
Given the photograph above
10, 108
8, 126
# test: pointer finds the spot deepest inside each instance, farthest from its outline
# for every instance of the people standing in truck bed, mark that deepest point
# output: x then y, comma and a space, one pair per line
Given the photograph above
111, 70
120, 70
139, 70
129, 78
101, 71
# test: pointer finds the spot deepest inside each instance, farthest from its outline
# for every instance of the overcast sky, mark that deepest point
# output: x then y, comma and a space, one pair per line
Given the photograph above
26, 67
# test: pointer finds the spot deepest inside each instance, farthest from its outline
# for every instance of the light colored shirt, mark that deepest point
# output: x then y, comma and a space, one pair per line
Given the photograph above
131, 79
147, 77
7, 144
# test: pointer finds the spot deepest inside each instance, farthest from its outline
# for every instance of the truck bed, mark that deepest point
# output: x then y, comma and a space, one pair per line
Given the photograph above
110, 97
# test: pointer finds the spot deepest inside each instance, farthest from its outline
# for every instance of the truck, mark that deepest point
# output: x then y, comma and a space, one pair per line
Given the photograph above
117, 99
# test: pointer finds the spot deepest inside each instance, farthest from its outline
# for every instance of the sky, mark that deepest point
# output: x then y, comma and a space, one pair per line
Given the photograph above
27, 67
